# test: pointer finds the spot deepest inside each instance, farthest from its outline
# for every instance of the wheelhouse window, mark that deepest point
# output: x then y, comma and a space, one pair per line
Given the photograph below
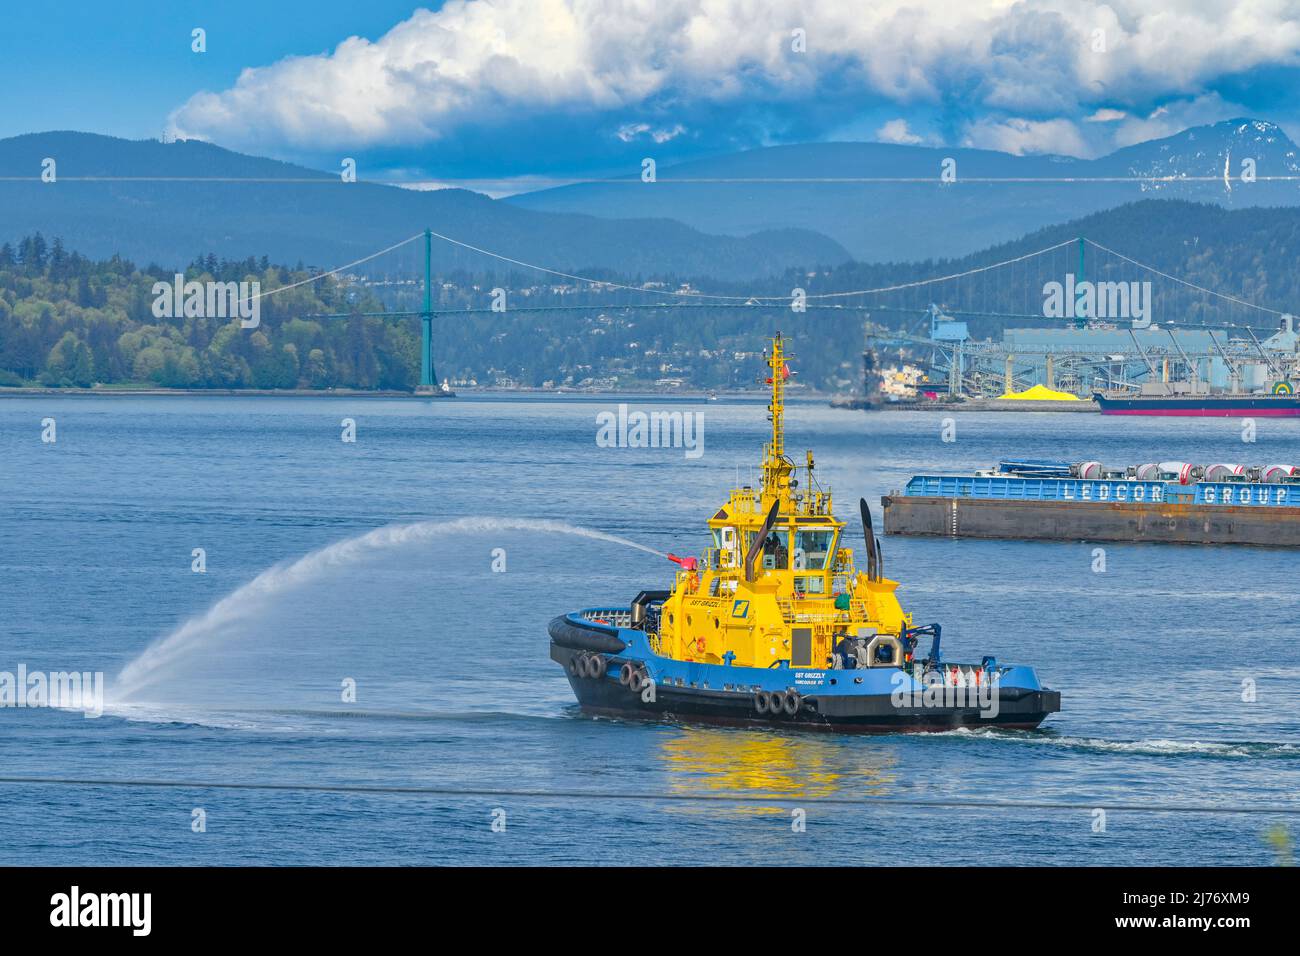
813, 548
776, 551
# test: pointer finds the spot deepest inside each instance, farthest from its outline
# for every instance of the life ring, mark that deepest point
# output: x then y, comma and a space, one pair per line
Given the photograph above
793, 702
699, 646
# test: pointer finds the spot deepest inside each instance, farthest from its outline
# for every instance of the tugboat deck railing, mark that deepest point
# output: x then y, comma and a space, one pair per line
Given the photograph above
617, 617
790, 615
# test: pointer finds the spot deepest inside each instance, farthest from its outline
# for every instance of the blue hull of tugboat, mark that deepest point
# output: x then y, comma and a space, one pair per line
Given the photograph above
862, 700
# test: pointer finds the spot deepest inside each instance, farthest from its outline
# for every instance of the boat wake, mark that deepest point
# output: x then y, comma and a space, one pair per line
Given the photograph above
1154, 747
1145, 594
205, 632
302, 720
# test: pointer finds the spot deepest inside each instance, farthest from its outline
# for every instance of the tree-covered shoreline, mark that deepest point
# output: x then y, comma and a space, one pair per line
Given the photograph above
66, 320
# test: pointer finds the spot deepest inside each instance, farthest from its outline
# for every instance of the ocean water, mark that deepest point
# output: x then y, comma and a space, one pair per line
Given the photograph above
370, 564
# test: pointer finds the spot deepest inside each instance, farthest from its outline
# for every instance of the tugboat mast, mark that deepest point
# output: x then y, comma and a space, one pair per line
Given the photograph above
776, 467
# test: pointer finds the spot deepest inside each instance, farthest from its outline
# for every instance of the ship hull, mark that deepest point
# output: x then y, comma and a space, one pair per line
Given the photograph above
1204, 406
1017, 708
1165, 522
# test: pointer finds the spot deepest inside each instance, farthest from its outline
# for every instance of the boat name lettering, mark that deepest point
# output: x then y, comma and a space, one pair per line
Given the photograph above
1212, 494
1111, 491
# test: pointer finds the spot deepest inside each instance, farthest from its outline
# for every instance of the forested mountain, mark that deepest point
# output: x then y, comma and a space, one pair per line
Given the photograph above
912, 215
1247, 253
68, 320
157, 202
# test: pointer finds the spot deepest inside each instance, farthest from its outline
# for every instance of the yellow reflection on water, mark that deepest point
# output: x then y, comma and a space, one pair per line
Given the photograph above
704, 761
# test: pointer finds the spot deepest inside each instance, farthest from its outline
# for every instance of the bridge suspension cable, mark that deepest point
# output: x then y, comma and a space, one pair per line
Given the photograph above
770, 299
1191, 285
947, 278
578, 278
746, 298
321, 275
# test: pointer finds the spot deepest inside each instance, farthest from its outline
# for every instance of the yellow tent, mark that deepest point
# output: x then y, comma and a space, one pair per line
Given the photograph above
1041, 393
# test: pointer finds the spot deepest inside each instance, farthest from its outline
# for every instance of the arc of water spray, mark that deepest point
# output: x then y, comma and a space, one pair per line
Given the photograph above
285, 576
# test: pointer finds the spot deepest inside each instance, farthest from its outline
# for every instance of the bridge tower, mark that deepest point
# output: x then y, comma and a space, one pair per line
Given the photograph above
1080, 320
428, 374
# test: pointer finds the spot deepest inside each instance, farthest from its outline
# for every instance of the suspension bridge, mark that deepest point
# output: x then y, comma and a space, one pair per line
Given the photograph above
1115, 321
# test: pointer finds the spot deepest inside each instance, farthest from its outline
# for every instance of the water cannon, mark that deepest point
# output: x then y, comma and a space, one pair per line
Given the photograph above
686, 564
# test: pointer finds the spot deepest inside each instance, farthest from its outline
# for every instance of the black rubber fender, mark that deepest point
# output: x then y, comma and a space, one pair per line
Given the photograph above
577, 637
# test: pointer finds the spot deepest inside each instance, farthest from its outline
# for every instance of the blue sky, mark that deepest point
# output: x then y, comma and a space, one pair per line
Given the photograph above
122, 67
519, 88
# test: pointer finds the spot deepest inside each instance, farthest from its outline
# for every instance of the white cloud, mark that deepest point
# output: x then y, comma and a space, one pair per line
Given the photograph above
897, 131
1174, 116
474, 64
1106, 116
1020, 136
631, 131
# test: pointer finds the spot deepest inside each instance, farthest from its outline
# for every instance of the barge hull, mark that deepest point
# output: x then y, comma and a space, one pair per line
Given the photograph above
1203, 406
1091, 521
1208, 412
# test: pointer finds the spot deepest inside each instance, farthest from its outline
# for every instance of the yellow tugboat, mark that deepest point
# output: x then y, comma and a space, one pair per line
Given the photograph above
774, 623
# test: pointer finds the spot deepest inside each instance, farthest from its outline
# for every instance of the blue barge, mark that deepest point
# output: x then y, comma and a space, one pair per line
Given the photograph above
1175, 502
